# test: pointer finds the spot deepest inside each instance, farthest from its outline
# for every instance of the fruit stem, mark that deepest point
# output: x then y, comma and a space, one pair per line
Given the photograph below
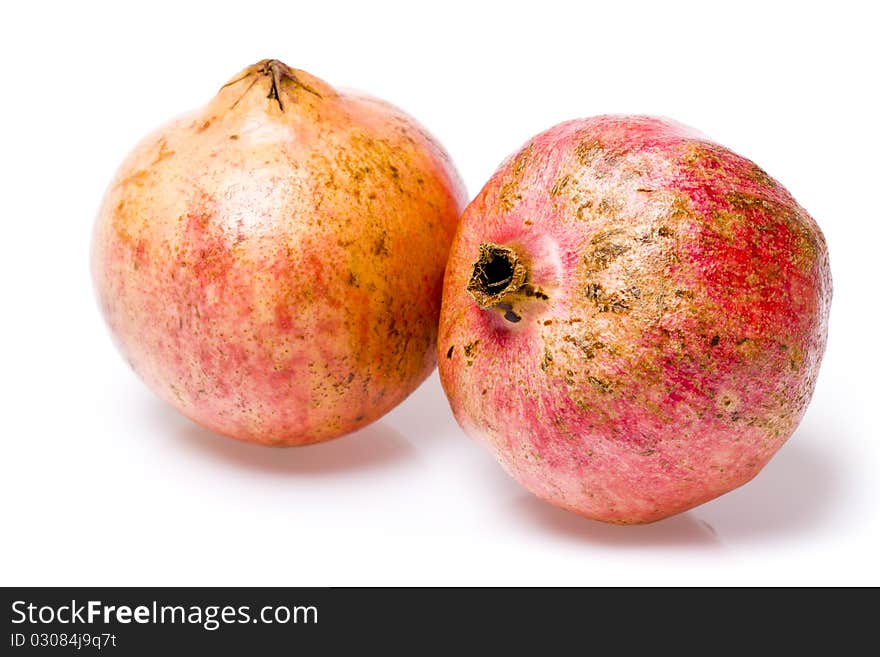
498, 274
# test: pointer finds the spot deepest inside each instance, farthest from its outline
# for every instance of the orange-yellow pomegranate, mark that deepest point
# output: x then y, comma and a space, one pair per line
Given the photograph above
271, 265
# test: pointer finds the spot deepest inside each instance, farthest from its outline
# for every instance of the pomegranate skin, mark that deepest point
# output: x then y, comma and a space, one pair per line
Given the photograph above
633, 317
271, 265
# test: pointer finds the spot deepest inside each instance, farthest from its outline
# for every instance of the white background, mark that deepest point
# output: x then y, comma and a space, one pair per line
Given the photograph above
103, 484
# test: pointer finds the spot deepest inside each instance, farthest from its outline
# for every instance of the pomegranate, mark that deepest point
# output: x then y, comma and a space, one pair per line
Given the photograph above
271, 265
633, 317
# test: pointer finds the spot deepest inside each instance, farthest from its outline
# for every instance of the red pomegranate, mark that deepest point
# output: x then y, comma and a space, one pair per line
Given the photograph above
633, 317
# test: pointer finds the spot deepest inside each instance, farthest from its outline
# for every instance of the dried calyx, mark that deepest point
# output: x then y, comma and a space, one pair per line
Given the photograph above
278, 73
498, 275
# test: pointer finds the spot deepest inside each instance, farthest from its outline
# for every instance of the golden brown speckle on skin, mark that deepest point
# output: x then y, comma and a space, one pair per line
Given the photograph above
588, 150
599, 384
509, 194
560, 185
546, 360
